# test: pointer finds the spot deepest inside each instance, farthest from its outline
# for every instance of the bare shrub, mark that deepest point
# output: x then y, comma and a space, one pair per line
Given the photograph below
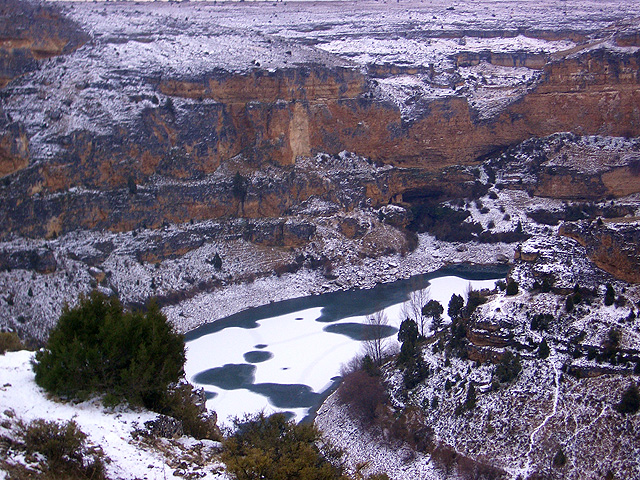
375, 344
363, 394
470, 469
411, 428
64, 447
10, 342
413, 307
444, 457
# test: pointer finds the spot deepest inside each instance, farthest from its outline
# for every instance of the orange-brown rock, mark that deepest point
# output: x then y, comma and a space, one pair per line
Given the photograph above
286, 113
306, 83
31, 32
14, 150
614, 247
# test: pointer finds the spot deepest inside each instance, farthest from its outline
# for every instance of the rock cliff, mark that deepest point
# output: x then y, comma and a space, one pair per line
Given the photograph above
237, 123
614, 247
83, 128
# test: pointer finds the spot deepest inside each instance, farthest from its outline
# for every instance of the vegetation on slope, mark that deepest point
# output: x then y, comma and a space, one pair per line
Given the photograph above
97, 348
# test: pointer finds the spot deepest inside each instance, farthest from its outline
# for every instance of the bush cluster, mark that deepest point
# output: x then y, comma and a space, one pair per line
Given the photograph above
63, 445
364, 394
512, 287
541, 321
508, 368
188, 405
97, 348
10, 342
474, 300
275, 448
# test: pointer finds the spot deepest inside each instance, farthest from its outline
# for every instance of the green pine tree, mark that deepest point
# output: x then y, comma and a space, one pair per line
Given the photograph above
543, 349
97, 348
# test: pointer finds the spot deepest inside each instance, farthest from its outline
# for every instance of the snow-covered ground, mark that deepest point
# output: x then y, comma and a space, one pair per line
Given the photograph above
109, 429
367, 450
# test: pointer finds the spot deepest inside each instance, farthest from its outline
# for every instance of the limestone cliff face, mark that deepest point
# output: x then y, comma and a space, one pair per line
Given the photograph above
272, 118
614, 247
173, 157
595, 92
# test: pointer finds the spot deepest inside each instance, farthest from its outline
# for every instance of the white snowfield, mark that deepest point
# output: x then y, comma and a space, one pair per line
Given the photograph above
109, 429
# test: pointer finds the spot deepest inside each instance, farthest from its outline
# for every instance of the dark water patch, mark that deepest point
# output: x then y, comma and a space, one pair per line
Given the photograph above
210, 395
287, 395
257, 356
361, 331
261, 346
344, 304
299, 318
353, 303
231, 376
290, 416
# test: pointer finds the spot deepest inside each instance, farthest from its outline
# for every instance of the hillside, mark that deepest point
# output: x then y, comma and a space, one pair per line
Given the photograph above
555, 416
310, 148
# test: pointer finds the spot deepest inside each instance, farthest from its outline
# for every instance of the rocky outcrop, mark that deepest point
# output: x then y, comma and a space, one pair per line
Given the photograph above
31, 31
612, 246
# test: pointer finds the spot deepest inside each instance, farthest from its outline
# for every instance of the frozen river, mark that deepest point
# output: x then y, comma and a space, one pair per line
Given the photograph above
285, 356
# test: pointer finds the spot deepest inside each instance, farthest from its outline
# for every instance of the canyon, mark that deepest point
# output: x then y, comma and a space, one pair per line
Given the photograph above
221, 156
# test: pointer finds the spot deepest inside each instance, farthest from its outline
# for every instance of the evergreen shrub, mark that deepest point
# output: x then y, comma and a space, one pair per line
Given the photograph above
508, 368
630, 401
512, 288
275, 448
97, 348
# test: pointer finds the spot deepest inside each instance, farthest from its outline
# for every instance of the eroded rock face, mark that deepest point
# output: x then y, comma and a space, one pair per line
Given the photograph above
30, 32
129, 114
613, 246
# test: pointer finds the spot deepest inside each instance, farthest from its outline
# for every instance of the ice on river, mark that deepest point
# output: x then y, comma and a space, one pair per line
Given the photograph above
285, 362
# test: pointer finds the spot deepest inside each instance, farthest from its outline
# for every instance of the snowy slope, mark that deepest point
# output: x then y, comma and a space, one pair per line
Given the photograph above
109, 429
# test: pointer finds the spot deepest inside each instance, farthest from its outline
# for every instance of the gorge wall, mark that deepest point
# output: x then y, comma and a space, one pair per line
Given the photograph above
204, 126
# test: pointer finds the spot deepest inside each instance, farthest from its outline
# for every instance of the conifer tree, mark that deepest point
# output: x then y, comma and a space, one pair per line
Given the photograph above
97, 348
543, 349
610, 295
456, 304
630, 401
